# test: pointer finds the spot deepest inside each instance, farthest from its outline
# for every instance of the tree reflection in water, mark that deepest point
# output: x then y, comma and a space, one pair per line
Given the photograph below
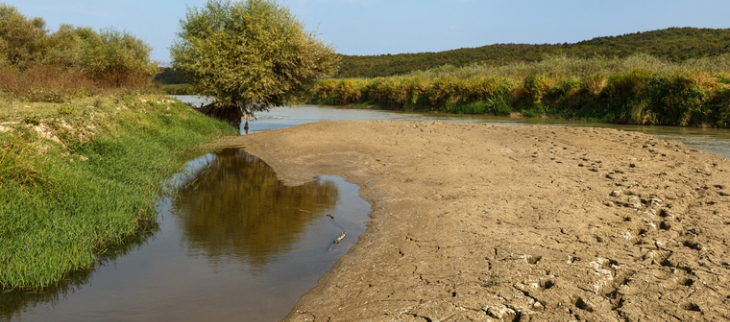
236, 207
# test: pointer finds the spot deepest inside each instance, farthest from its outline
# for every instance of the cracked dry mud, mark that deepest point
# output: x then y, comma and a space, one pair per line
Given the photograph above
497, 223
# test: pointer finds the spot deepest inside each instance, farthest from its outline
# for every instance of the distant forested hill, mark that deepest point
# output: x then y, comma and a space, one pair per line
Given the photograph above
674, 44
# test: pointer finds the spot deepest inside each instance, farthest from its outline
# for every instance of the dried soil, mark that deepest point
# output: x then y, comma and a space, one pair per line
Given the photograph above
498, 223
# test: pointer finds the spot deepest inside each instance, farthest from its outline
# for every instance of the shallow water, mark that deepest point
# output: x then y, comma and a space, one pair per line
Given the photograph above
234, 244
710, 140
238, 245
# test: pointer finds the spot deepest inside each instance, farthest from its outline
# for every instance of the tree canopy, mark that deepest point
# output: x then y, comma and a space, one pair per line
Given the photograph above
21, 38
109, 56
249, 55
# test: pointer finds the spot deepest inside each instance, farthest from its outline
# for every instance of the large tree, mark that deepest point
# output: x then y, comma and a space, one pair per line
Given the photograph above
250, 55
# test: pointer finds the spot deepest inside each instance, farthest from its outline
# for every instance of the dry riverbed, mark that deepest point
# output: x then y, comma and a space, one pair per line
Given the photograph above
481, 222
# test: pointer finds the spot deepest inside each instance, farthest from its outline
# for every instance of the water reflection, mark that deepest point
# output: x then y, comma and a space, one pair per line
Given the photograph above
237, 207
235, 244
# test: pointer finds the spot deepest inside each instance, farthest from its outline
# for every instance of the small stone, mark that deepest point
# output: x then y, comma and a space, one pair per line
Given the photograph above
635, 202
499, 311
650, 255
616, 193
657, 202
650, 226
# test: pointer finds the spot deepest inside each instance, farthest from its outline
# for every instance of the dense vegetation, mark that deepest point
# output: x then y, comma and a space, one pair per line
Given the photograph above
84, 147
673, 44
72, 62
639, 89
78, 178
249, 55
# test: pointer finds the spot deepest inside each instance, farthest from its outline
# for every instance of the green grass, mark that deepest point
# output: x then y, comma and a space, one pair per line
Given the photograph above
81, 178
179, 89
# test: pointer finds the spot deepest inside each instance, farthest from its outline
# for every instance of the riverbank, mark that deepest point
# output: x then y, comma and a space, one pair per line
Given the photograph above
638, 90
80, 178
494, 222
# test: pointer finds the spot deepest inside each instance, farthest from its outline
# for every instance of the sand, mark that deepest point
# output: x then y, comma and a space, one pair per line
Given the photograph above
528, 223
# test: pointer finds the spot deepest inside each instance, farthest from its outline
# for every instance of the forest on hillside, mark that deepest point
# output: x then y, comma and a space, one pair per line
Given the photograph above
672, 44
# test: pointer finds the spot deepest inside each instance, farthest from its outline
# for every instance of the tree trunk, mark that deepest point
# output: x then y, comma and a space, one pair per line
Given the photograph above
230, 114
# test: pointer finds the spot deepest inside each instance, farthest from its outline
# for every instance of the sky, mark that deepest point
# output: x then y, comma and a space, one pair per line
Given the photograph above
373, 27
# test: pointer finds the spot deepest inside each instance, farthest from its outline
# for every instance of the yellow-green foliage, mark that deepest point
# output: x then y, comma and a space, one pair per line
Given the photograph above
21, 38
107, 58
637, 90
250, 55
79, 178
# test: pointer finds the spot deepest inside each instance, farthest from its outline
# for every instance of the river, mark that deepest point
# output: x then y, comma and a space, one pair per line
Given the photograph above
234, 243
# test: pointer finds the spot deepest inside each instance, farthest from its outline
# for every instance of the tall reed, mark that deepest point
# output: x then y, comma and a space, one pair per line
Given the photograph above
640, 89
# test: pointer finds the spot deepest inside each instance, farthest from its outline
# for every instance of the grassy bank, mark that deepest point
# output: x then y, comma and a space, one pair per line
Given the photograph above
178, 89
635, 90
78, 178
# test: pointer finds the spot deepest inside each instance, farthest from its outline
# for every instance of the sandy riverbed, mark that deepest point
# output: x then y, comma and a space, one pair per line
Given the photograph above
481, 222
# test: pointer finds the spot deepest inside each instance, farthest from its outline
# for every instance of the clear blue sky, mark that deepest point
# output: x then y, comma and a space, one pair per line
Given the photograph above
366, 27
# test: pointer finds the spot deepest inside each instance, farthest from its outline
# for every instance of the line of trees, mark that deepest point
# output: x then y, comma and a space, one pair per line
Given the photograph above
672, 44
109, 57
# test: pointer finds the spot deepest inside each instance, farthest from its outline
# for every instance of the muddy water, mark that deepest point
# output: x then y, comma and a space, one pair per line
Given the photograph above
710, 140
235, 244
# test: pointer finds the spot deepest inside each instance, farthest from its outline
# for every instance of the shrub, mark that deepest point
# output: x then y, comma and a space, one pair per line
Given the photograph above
70, 62
678, 100
22, 37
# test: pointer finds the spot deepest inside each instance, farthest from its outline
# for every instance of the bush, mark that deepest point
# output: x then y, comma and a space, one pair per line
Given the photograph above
21, 38
71, 62
117, 59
